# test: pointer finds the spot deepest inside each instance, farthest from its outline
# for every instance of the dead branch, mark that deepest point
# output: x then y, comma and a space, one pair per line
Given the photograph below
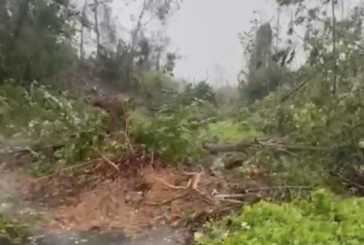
173, 186
168, 200
239, 147
260, 189
272, 145
79, 165
111, 163
127, 139
208, 120
271, 188
192, 183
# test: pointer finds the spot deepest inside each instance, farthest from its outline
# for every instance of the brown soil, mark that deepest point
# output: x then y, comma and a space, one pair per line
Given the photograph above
135, 204
142, 196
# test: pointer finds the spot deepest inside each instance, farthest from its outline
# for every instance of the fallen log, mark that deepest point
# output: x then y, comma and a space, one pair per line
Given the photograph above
271, 144
220, 148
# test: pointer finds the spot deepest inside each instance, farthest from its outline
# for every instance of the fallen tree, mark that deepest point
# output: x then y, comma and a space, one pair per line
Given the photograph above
273, 144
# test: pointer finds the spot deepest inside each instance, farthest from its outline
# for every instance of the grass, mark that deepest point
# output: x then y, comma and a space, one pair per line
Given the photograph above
232, 132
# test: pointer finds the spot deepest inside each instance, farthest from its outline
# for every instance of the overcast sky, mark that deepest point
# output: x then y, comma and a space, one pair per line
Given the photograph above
206, 33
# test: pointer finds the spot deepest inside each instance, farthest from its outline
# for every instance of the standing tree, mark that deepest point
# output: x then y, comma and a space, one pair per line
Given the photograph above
35, 38
264, 73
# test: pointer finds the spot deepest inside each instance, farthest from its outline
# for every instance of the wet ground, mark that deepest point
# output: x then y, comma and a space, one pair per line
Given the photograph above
162, 236
11, 203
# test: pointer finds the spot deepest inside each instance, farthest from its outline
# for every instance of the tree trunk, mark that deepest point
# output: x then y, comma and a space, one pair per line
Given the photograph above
97, 31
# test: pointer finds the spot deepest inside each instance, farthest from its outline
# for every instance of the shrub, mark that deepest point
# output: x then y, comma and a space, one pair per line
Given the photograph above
42, 117
175, 137
228, 131
324, 219
13, 231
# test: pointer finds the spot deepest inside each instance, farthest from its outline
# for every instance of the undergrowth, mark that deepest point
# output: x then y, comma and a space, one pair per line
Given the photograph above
325, 219
316, 110
66, 131
229, 131
175, 137
14, 230
76, 133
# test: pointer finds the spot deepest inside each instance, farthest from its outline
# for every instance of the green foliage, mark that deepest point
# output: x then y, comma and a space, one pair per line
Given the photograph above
201, 91
49, 106
14, 229
228, 131
71, 129
33, 43
264, 72
263, 81
158, 86
328, 124
325, 219
175, 137
40, 116
155, 81
315, 117
164, 92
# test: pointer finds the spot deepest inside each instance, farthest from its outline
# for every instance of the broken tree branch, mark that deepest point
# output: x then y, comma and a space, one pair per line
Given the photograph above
273, 145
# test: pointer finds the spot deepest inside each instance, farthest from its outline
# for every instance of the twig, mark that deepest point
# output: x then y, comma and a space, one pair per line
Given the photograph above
334, 86
206, 198
107, 160
192, 182
191, 185
126, 136
168, 200
337, 30
278, 188
65, 169
249, 190
233, 201
229, 195
152, 159
350, 181
245, 144
298, 87
173, 186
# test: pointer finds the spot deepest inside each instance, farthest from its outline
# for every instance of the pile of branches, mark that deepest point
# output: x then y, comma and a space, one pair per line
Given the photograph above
274, 144
342, 163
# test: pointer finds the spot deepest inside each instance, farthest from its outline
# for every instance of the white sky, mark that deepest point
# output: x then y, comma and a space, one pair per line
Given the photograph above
206, 33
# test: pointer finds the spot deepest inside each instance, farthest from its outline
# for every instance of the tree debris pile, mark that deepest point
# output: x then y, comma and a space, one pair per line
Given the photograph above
136, 193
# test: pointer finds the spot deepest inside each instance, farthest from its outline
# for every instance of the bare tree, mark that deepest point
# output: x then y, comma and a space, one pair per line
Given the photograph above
96, 26
83, 19
263, 45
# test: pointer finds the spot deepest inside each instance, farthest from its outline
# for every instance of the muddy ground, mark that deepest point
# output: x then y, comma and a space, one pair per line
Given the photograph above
125, 202
12, 203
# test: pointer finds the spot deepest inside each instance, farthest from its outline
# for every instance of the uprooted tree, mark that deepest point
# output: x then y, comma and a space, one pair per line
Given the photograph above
295, 129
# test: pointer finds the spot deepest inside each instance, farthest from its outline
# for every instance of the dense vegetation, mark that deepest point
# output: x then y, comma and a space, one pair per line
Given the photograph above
322, 220
307, 124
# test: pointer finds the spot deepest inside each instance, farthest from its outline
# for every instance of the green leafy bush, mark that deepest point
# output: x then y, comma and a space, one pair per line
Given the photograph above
13, 230
228, 131
41, 116
175, 137
324, 219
